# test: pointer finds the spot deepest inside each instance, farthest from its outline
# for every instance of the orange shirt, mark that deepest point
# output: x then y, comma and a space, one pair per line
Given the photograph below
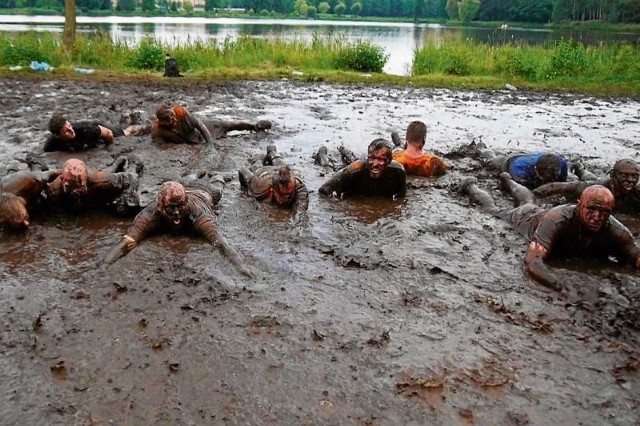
425, 165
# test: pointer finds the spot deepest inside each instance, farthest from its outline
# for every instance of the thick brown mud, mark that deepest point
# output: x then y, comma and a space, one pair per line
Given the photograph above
375, 313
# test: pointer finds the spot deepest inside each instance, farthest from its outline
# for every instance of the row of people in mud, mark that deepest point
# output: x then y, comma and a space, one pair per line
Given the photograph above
584, 229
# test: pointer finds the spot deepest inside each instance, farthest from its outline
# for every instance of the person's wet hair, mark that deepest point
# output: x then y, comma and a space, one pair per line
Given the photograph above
56, 123
171, 191
549, 164
417, 133
625, 162
11, 208
164, 114
379, 144
282, 177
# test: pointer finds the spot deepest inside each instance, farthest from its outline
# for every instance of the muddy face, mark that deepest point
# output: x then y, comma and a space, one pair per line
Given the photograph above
17, 214
67, 132
595, 207
377, 161
74, 178
283, 194
172, 203
626, 178
547, 174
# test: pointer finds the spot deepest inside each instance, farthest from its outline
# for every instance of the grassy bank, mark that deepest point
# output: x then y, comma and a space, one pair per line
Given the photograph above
566, 66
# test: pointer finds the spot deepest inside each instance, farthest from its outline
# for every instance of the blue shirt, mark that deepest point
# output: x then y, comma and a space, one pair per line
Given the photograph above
522, 168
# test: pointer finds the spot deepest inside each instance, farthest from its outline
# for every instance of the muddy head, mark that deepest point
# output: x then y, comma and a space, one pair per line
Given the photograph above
284, 185
379, 155
594, 207
13, 211
60, 127
625, 175
417, 134
172, 203
166, 117
74, 177
548, 168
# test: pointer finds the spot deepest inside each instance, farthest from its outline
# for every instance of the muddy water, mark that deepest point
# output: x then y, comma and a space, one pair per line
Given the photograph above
413, 312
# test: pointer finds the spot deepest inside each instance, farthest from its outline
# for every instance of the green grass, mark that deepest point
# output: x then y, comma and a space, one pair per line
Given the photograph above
565, 66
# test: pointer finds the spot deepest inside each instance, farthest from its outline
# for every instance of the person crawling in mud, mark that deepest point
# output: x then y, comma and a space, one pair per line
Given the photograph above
83, 135
177, 125
530, 170
623, 184
21, 192
274, 182
180, 208
585, 229
78, 188
416, 162
379, 175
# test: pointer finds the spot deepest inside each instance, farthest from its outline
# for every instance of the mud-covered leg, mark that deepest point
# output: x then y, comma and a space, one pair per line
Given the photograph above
478, 196
582, 173
273, 158
521, 194
347, 155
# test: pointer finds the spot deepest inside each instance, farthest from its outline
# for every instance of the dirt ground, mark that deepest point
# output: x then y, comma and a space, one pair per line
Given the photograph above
412, 312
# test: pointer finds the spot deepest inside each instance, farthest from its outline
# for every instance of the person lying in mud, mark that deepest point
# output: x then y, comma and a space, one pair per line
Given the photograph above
78, 188
585, 229
530, 170
83, 135
415, 161
180, 207
379, 175
623, 184
177, 125
22, 192
274, 182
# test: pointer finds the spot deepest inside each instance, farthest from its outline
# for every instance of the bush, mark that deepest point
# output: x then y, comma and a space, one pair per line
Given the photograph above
568, 58
516, 63
457, 63
339, 9
149, 55
362, 57
324, 7
311, 12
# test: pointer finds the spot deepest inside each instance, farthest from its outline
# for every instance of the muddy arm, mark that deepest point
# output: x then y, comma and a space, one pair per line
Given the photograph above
570, 189
538, 269
106, 135
122, 249
206, 227
335, 184
204, 131
117, 165
301, 203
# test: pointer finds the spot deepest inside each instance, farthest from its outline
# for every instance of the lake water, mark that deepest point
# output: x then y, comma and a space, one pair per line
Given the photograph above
399, 40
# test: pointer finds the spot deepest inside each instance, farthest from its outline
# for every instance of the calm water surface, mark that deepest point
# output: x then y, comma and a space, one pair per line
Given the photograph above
399, 40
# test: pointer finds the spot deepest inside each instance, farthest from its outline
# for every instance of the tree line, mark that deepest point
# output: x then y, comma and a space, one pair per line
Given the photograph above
534, 11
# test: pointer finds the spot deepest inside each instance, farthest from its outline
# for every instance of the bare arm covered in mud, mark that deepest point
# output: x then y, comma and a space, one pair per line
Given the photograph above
198, 124
144, 223
567, 189
207, 228
28, 185
535, 265
106, 135
337, 183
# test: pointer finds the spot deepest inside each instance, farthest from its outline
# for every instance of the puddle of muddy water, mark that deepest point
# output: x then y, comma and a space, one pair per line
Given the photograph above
294, 345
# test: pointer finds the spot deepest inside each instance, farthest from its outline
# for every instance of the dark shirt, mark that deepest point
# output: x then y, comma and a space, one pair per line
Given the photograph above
104, 189
355, 180
87, 137
200, 218
261, 187
188, 129
559, 231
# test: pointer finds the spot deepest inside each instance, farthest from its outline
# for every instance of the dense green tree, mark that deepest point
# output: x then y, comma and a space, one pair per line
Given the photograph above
452, 9
7, 4
106, 5
419, 9
311, 12
148, 5
126, 5
339, 9
531, 11
301, 7
468, 9
324, 7
187, 6
356, 8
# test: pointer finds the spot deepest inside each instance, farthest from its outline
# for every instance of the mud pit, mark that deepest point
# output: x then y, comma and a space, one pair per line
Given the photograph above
413, 312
